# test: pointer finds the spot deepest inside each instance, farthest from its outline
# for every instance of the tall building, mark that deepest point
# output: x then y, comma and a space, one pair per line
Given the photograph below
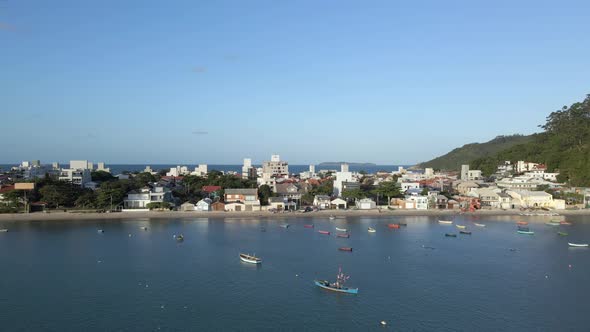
246, 168
101, 167
344, 176
275, 167
80, 164
464, 172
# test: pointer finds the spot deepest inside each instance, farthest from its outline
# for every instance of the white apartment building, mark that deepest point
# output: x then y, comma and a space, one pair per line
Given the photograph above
80, 177
275, 167
200, 170
139, 199
343, 176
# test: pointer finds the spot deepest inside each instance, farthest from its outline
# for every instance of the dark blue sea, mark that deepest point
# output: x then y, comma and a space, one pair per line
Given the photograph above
64, 276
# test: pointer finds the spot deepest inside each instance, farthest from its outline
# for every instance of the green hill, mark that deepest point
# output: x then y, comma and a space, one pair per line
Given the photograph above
468, 152
564, 146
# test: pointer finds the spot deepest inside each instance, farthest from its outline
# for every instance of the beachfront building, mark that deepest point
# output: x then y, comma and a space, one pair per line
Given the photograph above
139, 199
322, 202
276, 203
489, 197
532, 199
247, 199
524, 183
204, 205
343, 176
417, 202
187, 206
338, 204
465, 187
78, 176
366, 204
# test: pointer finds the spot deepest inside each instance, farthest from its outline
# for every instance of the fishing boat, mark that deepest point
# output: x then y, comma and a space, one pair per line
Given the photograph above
179, 238
445, 222
308, 226
345, 235
450, 235
562, 233
3, 230
332, 217
324, 232
465, 232
525, 232
479, 225
371, 230
578, 245
341, 229
345, 249
143, 228
285, 225
337, 286
396, 226
565, 223
552, 223
524, 223
460, 226
250, 259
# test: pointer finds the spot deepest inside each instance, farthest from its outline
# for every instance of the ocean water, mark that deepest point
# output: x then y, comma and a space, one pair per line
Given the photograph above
64, 276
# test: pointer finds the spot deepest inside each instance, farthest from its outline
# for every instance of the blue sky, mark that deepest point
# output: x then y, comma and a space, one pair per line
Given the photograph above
389, 82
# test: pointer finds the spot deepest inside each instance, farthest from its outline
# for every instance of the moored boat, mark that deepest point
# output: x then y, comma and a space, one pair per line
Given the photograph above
143, 228
179, 238
524, 223
562, 233
479, 225
460, 226
332, 217
345, 235
3, 230
308, 226
345, 249
393, 226
337, 286
525, 232
100, 231
465, 232
371, 230
450, 235
445, 222
402, 224
324, 232
578, 244
565, 223
552, 223
250, 259
341, 229
285, 225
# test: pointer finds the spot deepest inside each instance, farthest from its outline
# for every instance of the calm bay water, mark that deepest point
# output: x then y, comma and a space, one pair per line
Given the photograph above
64, 276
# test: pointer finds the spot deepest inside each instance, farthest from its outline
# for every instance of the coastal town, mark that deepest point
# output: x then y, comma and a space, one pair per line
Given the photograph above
270, 187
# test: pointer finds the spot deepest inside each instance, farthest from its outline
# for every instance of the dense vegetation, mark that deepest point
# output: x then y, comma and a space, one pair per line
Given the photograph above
468, 152
564, 146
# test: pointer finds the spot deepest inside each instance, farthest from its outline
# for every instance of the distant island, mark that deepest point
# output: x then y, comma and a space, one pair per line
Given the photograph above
336, 164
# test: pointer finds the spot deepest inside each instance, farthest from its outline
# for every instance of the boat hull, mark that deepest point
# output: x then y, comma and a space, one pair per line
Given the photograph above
576, 245
250, 260
445, 222
460, 226
308, 226
324, 232
339, 290
479, 225
526, 232
345, 249
394, 226
372, 230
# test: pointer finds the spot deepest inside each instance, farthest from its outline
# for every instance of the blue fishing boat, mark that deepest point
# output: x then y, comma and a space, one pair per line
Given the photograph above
337, 286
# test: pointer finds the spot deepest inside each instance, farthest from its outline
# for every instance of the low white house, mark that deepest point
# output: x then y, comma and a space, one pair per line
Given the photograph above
409, 185
277, 203
139, 199
532, 199
204, 205
366, 204
338, 204
417, 202
322, 202
187, 206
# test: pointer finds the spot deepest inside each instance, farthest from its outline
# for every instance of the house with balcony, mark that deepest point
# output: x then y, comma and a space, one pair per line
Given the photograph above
78, 176
246, 199
139, 199
322, 202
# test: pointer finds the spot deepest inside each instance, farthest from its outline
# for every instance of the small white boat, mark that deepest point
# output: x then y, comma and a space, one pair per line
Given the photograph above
445, 222
577, 244
372, 230
3, 230
460, 226
479, 225
341, 229
250, 259
100, 231
143, 228
332, 217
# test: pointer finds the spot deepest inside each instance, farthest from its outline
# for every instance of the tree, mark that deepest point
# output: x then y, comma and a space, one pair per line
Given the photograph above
388, 189
54, 195
108, 198
101, 176
264, 193
307, 198
86, 200
424, 192
353, 194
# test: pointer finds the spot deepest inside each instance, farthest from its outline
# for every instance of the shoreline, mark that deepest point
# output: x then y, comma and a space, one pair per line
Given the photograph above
75, 216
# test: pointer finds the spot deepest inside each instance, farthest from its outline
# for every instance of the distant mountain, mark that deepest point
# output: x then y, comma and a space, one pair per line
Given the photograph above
334, 164
468, 152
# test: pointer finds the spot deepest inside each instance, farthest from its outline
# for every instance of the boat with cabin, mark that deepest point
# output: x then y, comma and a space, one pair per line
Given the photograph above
337, 286
252, 259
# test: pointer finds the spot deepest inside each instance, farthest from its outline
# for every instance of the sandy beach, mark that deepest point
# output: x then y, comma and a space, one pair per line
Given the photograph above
76, 216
